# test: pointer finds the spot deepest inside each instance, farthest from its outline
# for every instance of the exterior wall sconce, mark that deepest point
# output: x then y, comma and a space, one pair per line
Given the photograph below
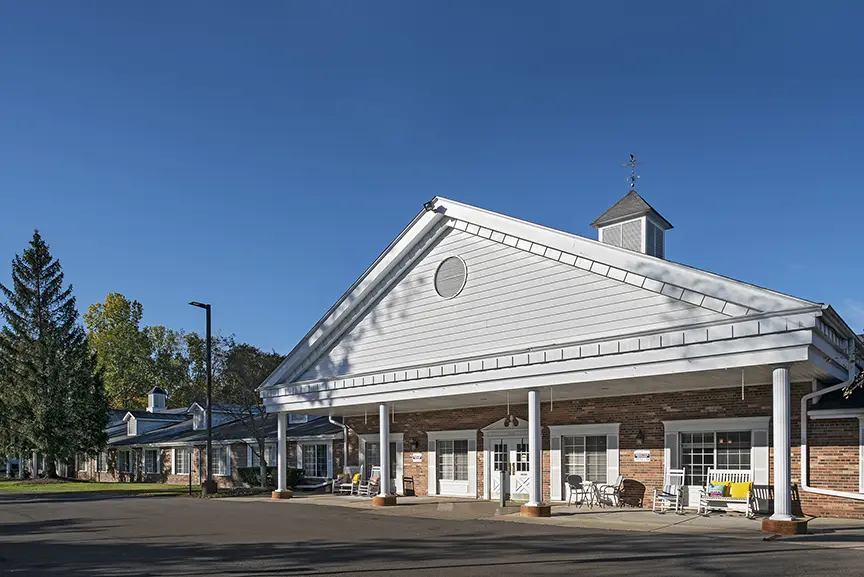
640, 437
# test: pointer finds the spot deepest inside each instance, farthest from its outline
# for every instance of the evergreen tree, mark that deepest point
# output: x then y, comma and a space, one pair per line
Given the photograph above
58, 390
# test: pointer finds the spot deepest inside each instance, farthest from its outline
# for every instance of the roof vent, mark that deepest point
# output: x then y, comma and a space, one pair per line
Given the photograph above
450, 277
633, 224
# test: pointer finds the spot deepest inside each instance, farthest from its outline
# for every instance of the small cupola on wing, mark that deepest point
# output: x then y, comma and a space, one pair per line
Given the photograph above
156, 400
633, 224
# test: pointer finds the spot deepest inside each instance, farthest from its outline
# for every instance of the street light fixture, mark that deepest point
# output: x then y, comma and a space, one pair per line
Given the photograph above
209, 486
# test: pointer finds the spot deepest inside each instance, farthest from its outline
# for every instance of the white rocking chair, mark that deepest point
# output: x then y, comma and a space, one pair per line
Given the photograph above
669, 497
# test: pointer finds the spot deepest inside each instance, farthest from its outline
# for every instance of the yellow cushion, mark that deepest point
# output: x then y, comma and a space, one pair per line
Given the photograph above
740, 490
356, 478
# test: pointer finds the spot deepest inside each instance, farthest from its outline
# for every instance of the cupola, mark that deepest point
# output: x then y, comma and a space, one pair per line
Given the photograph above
156, 400
633, 224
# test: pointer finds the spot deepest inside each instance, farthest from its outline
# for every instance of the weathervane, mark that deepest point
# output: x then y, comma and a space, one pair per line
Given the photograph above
633, 176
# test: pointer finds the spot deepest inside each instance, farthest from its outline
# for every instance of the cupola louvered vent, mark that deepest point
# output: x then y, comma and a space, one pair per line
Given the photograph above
631, 223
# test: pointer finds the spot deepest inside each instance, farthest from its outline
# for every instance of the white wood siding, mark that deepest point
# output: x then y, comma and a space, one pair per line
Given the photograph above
512, 300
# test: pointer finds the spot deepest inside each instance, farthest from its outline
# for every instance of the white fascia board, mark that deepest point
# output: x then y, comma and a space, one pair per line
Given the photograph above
391, 257
722, 424
779, 348
817, 414
583, 430
711, 284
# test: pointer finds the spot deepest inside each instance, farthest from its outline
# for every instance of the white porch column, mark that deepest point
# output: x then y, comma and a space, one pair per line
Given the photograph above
281, 436
782, 445
384, 432
535, 452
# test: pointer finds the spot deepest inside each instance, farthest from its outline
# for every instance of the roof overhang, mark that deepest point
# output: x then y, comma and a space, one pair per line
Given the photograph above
582, 370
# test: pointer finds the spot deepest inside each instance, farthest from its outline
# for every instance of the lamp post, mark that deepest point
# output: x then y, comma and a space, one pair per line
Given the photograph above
209, 486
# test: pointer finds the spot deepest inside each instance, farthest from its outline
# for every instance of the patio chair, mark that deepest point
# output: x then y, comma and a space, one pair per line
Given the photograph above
669, 497
347, 484
369, 487
612, 493
577, 490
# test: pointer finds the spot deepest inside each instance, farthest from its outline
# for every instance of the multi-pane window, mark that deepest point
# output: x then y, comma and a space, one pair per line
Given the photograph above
219, 457
522, 462
102, 462
373, 458
499, 457
586, 457
315, 460
82, 461
269, 455
703, 451
181, 461
151, 461
124, 461
452, 459
296, 419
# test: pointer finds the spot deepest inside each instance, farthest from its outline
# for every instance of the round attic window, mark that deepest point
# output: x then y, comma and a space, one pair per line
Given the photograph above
450, 277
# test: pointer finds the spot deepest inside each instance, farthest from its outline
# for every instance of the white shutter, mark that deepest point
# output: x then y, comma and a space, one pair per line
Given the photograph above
431, 480
362, 458
555, 468
472, 467
298, 448
330, 460
611, 458
759, 457
173, 462
228, 460
671, 452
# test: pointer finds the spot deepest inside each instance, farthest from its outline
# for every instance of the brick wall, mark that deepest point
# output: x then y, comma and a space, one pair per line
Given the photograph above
834, 452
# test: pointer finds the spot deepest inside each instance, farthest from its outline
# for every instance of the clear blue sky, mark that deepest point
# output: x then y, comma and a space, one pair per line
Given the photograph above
260, 155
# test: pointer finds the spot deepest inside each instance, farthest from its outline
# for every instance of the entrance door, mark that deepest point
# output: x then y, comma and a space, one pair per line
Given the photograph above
511, 456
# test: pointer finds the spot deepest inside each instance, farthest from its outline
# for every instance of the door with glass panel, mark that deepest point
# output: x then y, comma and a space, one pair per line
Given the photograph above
511, 456
451, 459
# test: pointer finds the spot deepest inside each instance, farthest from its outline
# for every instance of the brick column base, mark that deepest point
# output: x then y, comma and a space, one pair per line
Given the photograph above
388, 501
795, 527
287, 494
535, 510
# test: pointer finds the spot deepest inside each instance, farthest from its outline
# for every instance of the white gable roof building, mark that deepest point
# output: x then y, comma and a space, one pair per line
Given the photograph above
613, 361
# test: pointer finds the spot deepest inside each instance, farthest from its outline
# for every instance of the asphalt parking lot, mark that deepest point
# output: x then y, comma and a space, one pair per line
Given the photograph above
76, 535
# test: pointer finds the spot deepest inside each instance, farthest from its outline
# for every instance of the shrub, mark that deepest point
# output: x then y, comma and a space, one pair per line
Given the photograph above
251, 476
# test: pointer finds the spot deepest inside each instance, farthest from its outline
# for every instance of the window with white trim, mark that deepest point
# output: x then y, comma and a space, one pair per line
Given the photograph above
151, 461
270, 457
452, 460
181, 461
314, 459
295, 419
220, 456
701, 451
82, 462
585, 456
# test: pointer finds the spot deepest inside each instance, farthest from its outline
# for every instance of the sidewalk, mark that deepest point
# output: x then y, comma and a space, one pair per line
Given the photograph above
824, 532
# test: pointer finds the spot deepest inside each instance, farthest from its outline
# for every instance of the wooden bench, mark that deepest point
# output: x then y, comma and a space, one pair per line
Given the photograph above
707, 502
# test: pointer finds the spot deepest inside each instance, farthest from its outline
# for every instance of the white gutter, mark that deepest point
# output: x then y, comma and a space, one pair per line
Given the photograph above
853, 373
344, 440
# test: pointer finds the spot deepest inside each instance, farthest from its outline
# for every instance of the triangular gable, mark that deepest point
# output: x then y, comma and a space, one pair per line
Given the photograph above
692, 288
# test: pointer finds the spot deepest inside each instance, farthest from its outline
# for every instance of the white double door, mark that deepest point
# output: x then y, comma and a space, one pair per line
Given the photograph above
511, 456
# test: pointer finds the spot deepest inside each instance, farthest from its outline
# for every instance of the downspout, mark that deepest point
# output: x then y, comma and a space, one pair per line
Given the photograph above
852, 374
344, 441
